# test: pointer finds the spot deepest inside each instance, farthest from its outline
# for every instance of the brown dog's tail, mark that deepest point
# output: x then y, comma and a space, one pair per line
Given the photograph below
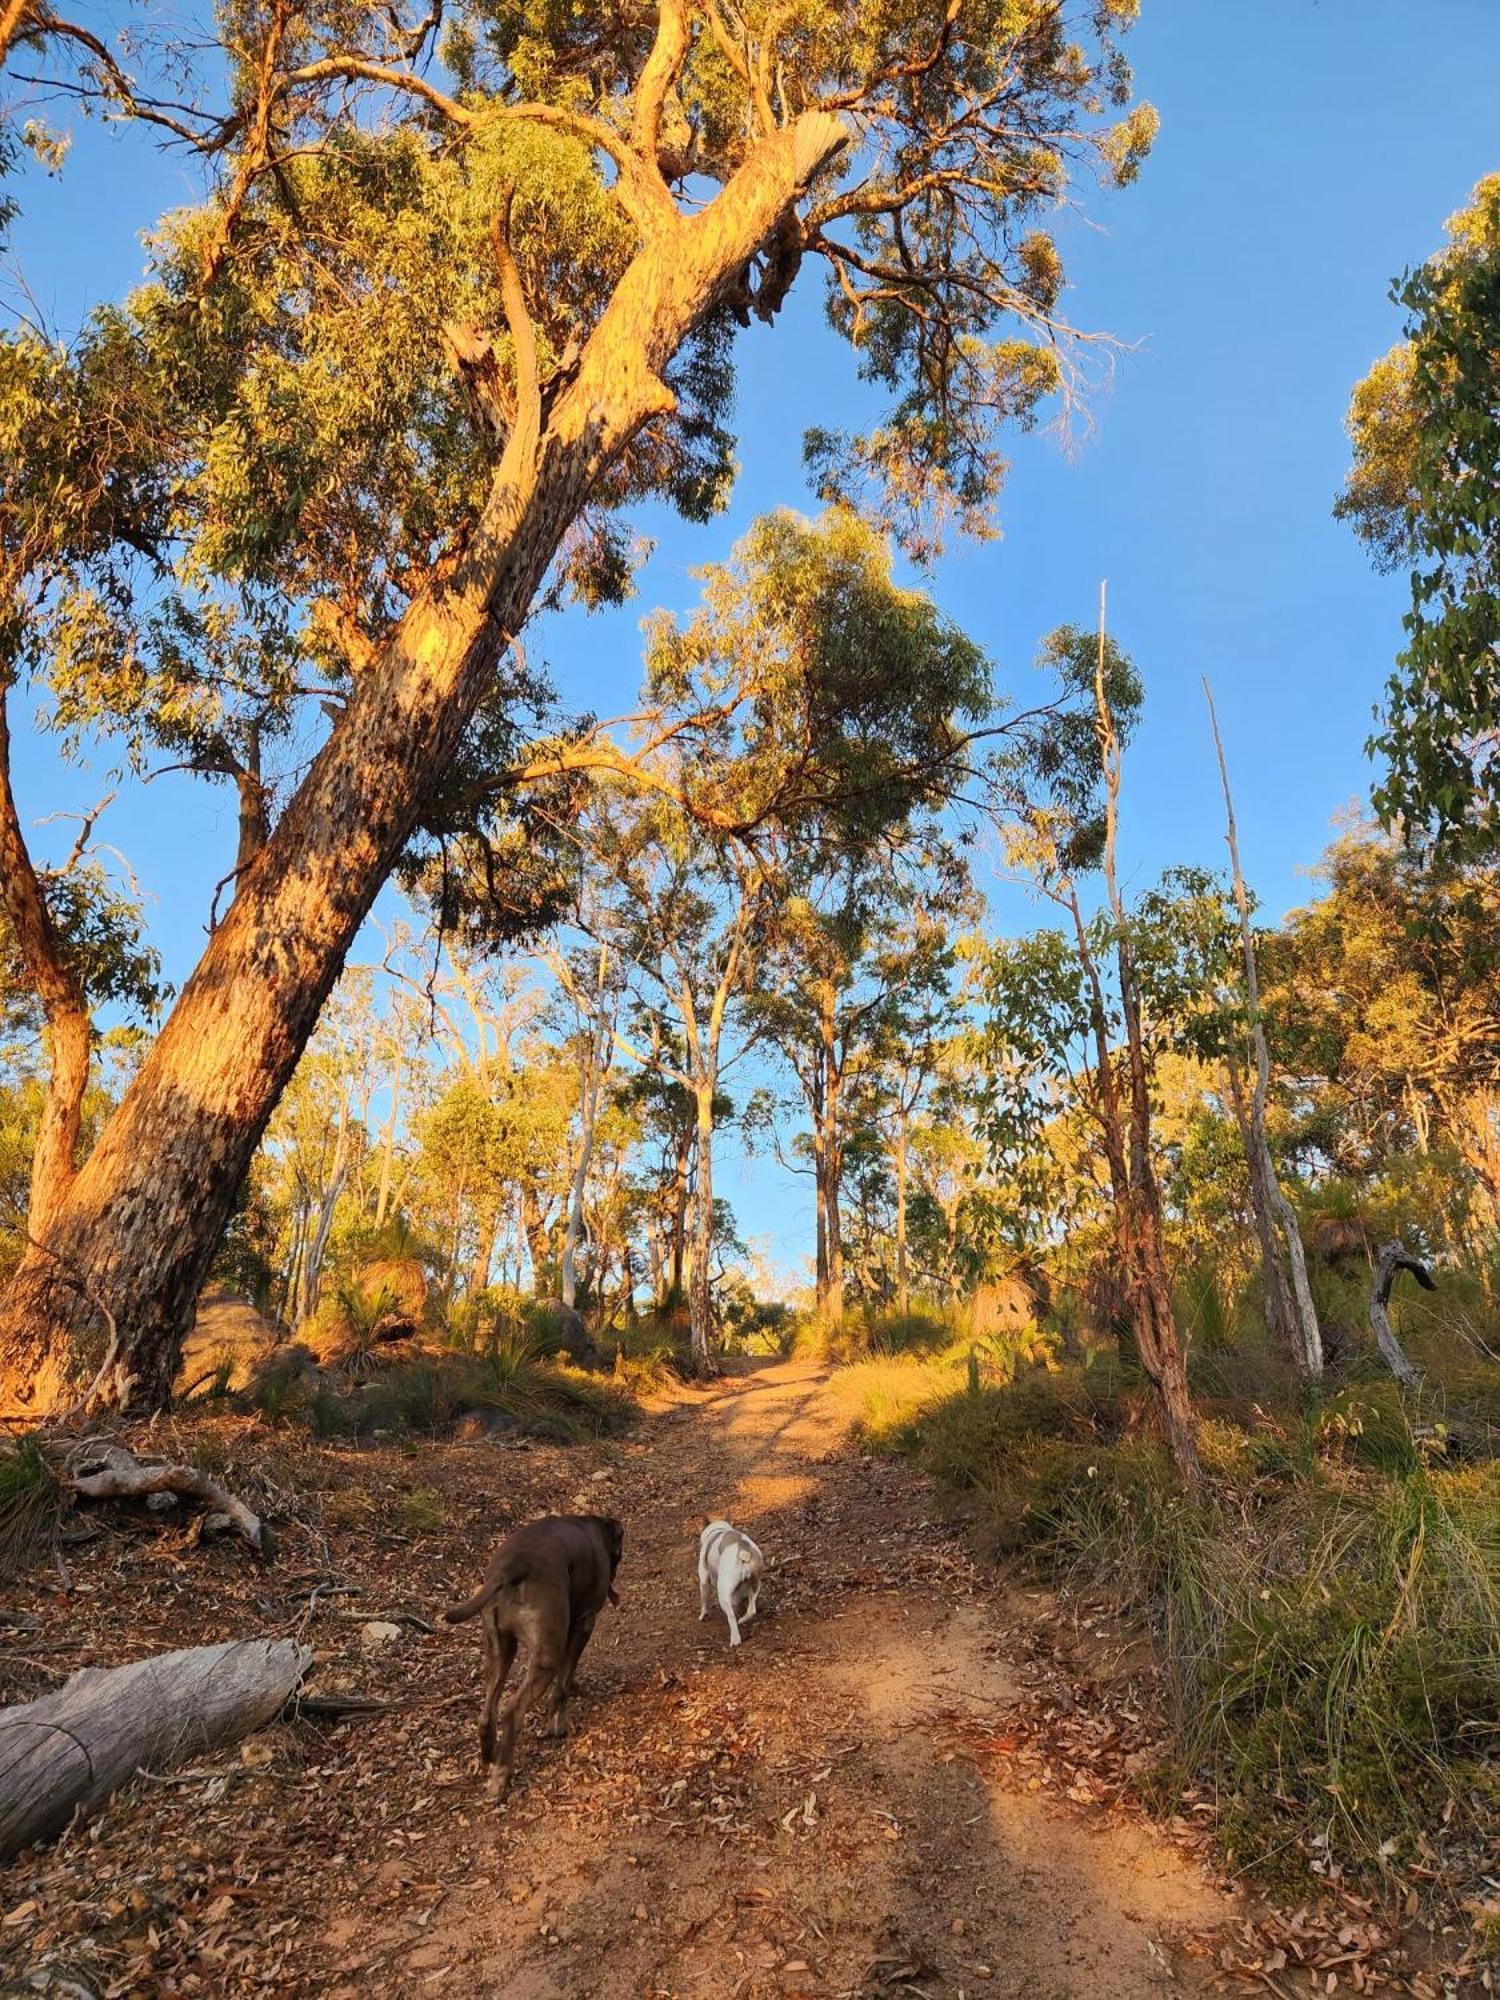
486, 1594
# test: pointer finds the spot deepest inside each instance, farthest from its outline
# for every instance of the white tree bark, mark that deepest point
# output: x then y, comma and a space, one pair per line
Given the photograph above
1265, 1188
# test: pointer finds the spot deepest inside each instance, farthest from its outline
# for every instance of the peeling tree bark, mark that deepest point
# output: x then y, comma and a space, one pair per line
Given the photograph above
141, 1222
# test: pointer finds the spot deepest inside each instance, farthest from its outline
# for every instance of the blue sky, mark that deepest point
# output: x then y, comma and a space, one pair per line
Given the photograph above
1309, 150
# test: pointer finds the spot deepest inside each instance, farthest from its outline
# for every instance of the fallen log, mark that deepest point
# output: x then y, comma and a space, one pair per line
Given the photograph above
103, 1470
75, 1746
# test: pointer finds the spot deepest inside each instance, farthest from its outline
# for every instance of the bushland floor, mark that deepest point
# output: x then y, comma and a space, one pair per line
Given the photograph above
913, 1778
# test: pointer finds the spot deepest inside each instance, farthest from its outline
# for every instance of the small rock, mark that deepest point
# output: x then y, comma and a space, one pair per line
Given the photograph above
640, 1913
379, 1632
161, 1503
959, 1926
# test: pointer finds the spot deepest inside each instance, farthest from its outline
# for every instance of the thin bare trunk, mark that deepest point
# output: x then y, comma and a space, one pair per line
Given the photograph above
600, 1055
700, 1279
903, 1282
1266, 1190
1280, 1311
144, 1216
388, 1142
681, 1182
1156, 1329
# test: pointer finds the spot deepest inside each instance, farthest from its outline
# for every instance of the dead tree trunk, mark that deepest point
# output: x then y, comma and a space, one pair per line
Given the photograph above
140, 1224
1273, 1211
1394, 1258
75, 1746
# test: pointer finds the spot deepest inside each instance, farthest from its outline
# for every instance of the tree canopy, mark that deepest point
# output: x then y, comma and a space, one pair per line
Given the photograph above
1424, 494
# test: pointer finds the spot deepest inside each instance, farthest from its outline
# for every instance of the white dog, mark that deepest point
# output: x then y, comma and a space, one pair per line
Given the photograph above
729, 1568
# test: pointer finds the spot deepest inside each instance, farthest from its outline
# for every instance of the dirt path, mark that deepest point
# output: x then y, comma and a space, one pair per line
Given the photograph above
805, 1818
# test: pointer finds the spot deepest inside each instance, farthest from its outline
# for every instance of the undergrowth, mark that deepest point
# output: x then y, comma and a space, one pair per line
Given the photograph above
429, 1395
30, 1506
1329, 1615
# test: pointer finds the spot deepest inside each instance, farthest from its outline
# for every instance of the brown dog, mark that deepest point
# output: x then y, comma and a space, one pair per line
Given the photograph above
543, 1590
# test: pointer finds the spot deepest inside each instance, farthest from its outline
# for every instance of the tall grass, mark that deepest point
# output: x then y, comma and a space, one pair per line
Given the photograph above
1329, 1618
427, 1396
31, 1504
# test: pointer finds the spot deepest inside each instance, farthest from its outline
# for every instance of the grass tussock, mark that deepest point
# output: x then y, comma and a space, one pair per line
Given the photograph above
31, 1504
505, 1384
1329, 1615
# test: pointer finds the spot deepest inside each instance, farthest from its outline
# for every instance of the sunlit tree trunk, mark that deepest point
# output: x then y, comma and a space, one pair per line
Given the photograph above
69, 1031
1154, 1316
830, 1152
700, 1278
903, 1167
484, 1249
141, 1222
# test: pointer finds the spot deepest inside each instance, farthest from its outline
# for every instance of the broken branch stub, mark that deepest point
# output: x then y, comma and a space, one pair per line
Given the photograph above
1395, 1257
107, 1471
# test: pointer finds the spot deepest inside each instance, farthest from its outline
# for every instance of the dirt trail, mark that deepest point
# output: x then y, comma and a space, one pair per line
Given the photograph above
804, 1818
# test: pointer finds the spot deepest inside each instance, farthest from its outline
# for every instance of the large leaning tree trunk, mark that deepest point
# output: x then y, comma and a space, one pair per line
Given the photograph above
138, 1227
700, 1265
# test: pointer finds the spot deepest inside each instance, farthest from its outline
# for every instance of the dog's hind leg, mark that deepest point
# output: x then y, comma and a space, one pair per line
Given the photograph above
540, 1668
729, 1577
567, 1674
499, 1655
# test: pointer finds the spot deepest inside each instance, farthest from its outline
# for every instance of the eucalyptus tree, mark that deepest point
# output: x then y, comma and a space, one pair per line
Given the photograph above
464, 292
858, 946
1423, 494
1068, 1010
698, 911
